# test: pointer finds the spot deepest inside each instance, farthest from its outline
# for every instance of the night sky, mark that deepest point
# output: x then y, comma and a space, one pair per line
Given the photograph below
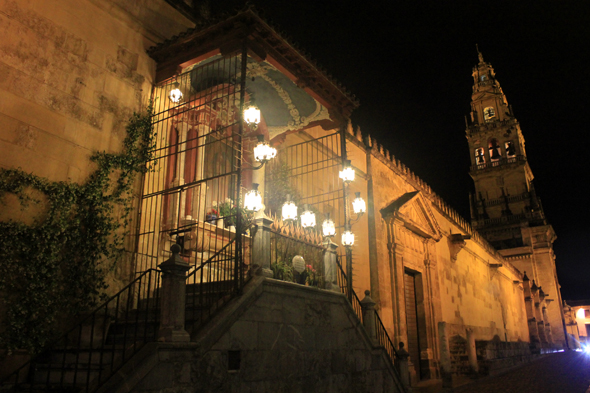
410, 65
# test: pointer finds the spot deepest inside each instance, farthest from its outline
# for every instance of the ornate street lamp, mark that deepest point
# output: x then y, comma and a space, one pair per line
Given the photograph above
263, 152
307, 218
289, 211
358, 205
347, 173
252, 116
328, 227
175, 94
253, 199
347, 238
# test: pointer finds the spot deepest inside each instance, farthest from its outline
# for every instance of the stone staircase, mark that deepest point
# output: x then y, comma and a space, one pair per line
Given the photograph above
77, 365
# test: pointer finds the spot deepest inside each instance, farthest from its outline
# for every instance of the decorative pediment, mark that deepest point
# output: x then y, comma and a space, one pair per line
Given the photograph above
413, 210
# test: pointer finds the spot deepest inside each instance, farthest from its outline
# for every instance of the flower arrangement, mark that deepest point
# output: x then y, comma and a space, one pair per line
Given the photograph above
212, 214
312, 277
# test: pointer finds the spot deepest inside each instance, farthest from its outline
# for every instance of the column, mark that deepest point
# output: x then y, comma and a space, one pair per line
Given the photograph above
330, 266
173, 298
261, 247
368, 306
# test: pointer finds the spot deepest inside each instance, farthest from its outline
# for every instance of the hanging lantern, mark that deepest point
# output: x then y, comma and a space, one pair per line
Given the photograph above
328, 227
347, 238
289, 210
175, 94
253, 199
347, 173
263, 151
252, 115
307, 218
358, 205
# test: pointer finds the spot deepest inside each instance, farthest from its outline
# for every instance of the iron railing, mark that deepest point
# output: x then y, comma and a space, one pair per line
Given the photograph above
381, 333
89, 353
215, 282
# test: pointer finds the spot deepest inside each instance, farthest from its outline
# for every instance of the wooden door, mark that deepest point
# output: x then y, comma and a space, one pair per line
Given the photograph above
413, 345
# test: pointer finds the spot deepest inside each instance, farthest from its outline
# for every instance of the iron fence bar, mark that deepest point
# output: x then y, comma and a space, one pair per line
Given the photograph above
237, 191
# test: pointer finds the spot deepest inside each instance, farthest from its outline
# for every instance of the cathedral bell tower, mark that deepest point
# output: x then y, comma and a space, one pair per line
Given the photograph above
505, 208
504, 196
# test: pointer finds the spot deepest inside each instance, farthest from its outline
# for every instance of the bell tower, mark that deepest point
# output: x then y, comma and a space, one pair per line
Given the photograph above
504, 195
505, 208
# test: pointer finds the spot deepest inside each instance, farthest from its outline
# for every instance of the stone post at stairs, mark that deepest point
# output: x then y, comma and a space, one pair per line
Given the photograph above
173, 298
331, 266
368, 306
261, 246
402, 357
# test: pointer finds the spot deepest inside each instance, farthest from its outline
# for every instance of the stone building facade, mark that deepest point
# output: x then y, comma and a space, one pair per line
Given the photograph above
73, 74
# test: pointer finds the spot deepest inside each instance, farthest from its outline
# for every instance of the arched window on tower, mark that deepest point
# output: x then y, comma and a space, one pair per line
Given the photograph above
510, 150
495, 152
480, 159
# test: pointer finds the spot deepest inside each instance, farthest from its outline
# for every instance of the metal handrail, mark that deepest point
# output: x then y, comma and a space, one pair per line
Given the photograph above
84, 355
213, 284
382, 335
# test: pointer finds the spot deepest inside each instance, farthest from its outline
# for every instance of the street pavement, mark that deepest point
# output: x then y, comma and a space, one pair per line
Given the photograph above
564, 372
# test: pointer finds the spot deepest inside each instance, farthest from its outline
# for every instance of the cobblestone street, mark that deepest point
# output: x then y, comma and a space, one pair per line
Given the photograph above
566, 372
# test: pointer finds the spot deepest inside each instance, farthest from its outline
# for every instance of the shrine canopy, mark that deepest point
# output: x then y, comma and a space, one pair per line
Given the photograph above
291, 91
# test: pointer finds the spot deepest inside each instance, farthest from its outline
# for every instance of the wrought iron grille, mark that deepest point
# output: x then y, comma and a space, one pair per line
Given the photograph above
195, 172
307, 169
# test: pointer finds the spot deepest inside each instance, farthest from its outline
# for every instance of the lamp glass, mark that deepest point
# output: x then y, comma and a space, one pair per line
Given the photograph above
358, 204
328, 228
347, 174
289, 211
253, 201
264, 152
175, 94
308, 219
347, 238
252, 115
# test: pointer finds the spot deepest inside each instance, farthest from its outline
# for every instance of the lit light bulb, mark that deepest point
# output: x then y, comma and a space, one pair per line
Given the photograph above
358, 205
289, 211
175, 94
328, 227
253, 199
347, 174
263, 151
307, 218
252, 115
347, 238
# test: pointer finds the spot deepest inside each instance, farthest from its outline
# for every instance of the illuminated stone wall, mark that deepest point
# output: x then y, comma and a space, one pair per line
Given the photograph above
71, 74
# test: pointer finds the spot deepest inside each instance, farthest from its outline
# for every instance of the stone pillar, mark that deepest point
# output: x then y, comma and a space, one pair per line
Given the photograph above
330, 266
472, 351
403, 367
261, 246
538, 313
530, 314
543, 306
445, 355
258, 177
173, 298
368, 306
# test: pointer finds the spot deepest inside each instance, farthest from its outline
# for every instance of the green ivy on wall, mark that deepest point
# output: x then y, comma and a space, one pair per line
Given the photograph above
54, 268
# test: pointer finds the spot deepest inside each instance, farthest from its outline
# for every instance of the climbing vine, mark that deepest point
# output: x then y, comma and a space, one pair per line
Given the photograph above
54, 267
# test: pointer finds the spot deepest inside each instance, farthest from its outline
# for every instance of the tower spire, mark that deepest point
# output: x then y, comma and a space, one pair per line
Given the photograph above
479, 55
